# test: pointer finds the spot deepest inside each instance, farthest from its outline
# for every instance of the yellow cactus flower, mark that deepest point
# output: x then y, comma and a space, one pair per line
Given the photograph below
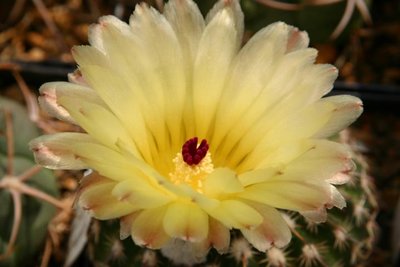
190, 135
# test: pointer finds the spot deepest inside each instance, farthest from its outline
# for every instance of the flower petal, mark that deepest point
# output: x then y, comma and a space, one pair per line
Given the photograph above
79, 151
330, 157
297, 40
101, 80
220, 182
219, 236
253, 68
95, 35
236, 214
295, 126
273, 231
289, 86
147, 228
234, 8
186, 221
125, 223
95, 197
88, 55
51, 92
76, 77
337, 200
291, 195
257, 176
165, 73
54, 152
212, 66
185, 252
141, 194
98, 121
317, 216
188, 24
348, 109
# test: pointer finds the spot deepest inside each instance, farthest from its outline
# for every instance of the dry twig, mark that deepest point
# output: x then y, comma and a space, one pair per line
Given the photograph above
50, 24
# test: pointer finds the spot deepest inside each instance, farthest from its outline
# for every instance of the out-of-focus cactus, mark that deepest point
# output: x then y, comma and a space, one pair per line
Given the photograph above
35, 214
318, 18
24, 130
346, 239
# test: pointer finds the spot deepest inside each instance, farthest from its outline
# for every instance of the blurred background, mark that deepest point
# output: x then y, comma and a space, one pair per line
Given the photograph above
360, 37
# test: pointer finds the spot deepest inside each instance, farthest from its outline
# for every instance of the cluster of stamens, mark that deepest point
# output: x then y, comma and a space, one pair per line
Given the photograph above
192, 165
193, 154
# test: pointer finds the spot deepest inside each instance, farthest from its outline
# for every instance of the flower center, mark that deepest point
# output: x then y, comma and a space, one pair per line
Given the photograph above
193, 164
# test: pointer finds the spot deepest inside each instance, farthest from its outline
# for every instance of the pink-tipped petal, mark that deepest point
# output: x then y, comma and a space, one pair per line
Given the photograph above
219, 236
186, 221
95, 197
273, 231
347, 110
54, 151
234, 213
51, 92
147, 228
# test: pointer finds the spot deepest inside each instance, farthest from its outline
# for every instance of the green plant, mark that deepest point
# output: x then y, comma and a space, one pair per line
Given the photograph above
26, 190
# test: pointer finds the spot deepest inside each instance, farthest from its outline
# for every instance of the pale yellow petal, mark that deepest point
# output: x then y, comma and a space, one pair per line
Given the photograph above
76, 77
296, 126
211, 67
130, 75
54, 151
109, 162
330, 157
253, 69
200, 199
99, 122
317, 215
257, 176
122, 26
125, 223
185, 253
147, 228
290, 195
95, 197
233, 7
273, 231
337, 200
281, 100
218, 236
166, 75
79, 151
278, 155
94, 37
141, 193
221, 182
51, 92
348, 109
188, 24
262, 74
106, 83
339, 178
236, 214
297, 40
186, 221
88, 55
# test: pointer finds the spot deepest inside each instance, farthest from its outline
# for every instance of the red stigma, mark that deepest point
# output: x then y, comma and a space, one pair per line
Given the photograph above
192, 154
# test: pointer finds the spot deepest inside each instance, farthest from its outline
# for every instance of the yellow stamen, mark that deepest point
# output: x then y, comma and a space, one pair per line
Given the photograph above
192, 175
